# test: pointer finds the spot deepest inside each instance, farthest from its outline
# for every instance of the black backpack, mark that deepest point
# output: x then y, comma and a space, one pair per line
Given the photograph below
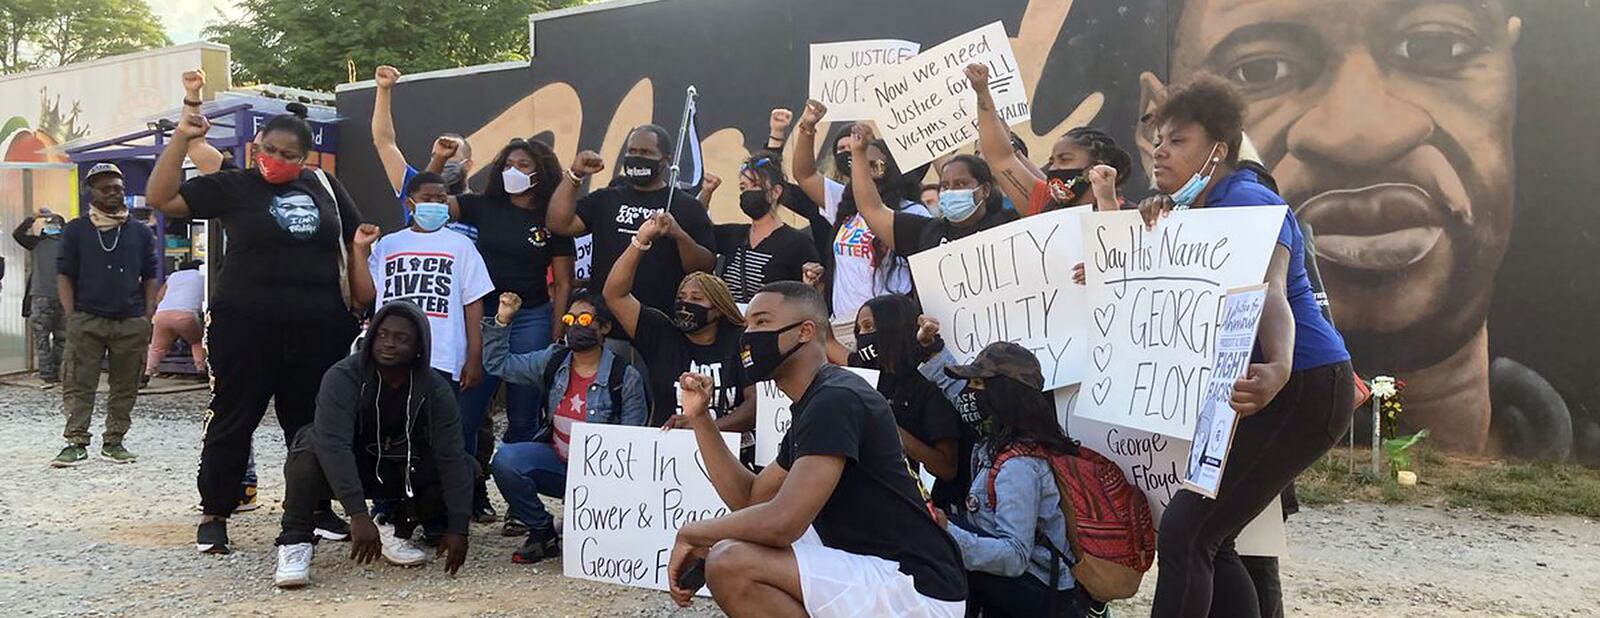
619, 368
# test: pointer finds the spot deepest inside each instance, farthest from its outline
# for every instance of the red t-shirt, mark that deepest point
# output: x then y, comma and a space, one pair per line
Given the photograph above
573, 407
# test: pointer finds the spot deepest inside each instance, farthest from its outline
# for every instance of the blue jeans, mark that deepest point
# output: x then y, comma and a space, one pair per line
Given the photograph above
530, 332
523, 470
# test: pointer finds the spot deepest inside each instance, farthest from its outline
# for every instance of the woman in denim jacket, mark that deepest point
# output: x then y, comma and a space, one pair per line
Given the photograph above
1002, 534
582, 388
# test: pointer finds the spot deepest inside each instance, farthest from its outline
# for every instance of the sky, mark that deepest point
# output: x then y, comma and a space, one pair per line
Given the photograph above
184, 19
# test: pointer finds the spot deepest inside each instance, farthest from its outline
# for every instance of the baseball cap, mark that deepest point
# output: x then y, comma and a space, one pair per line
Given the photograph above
1004, 359
102, 168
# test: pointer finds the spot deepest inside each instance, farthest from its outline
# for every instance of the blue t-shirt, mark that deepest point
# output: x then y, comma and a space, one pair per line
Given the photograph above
1316, 343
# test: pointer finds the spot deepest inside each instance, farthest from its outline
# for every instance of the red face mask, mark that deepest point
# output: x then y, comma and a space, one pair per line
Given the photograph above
275, 170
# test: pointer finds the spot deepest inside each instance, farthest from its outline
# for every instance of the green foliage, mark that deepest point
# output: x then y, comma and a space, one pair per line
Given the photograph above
80, 30
1395, 449
312, 43
1500, 487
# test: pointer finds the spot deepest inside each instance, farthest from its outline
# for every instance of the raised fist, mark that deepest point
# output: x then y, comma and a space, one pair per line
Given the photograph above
813, 113
446, 147
191, 127
386, 76
366, 234
588, 162
510, 303
194, 81
778, 122
978, 76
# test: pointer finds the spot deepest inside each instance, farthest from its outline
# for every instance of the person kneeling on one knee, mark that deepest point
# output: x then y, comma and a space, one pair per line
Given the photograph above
386, 428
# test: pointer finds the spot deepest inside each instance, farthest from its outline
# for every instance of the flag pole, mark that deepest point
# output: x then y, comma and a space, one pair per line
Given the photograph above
677, 152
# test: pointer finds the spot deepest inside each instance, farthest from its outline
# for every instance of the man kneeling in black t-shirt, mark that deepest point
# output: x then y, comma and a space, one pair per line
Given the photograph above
875, 551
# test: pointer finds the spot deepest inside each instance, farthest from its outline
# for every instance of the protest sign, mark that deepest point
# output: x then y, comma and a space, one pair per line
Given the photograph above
1213, 431
924, 106
772, 414
842, 72
1151, 462
1155, 297
629, 490
1012, 283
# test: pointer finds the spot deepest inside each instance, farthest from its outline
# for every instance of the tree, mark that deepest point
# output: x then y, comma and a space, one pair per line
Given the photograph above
78, 30
19, 19
310, 43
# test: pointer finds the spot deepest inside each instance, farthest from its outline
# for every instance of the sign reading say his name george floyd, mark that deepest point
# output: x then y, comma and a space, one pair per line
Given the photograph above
1012, 283
1213, 432
629, 490
924, 106
841, 73
1155, 298
773, 416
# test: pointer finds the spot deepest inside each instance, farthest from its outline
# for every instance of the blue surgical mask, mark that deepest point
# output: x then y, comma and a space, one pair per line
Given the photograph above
431, 216
1185, 196
51, 230
957, 204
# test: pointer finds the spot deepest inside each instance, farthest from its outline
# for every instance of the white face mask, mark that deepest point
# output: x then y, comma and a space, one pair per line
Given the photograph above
516, 182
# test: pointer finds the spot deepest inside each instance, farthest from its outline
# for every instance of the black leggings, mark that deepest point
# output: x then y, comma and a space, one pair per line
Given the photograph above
1200, 573
993, 596
306, 490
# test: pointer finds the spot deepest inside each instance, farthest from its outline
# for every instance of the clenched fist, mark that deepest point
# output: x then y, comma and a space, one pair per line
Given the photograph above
588, 162
386, 76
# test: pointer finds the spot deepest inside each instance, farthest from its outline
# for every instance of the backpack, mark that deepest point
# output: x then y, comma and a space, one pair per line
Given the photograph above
619, 367
1112, 537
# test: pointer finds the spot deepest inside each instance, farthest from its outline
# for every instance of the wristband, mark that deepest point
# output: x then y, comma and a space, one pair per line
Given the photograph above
190, 103
642, 246
574, 178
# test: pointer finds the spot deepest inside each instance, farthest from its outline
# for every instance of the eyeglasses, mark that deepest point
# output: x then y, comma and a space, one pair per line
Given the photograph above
581, 319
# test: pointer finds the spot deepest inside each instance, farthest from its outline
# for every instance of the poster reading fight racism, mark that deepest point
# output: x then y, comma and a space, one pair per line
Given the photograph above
841, 73
629, 490
1155, 296
773, 416
1213, 431
924, 106
1154, 463
1012, 283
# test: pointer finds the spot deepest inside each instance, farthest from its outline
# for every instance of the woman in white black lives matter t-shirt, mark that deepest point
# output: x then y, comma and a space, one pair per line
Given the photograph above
766, 249
700, 336
1011, 507
840, 471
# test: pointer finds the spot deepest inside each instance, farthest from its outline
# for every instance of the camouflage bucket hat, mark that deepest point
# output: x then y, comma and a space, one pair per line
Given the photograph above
1002, 358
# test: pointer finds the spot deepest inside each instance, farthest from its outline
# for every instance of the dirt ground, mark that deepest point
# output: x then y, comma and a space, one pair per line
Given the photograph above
109, 540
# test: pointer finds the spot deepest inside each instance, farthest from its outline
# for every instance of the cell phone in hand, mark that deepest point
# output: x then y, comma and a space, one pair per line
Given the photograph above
693, 578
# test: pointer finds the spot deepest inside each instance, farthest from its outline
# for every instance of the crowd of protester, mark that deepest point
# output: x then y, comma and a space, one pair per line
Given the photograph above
678, 322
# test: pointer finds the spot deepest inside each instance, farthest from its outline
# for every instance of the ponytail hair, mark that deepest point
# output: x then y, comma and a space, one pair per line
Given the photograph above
294, 121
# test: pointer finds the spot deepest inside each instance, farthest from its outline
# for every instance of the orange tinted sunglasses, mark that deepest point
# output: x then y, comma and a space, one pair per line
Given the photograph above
581, 319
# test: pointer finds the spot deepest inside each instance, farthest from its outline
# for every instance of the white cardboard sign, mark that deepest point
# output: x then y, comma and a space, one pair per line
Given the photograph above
1213, 431
773, 416
1155, 297
1012, 283
841, 73
629, 490
924, 107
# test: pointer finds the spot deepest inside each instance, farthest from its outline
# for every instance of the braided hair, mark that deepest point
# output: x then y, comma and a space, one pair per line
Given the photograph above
1102, 149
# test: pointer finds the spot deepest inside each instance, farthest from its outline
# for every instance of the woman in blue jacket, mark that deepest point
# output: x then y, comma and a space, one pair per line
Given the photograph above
583, 382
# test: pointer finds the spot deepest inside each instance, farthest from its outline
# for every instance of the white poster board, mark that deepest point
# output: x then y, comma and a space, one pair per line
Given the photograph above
1153, 463
1154, 298
841, 73
629, 489
1213, 431
583, 266
773, 416
924, 107
1012, 283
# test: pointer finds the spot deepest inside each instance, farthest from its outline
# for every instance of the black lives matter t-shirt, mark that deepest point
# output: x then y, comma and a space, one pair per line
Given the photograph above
614, 214
282, 256
876, 509
668, 353
516, 246
781, 256
914, 234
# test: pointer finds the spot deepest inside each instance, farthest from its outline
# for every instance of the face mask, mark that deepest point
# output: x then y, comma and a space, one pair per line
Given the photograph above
516, 182
275, 170
957, 204
582, 338
1185, 196
692, 317
105, 221
841, 162
50, 230
640, 171
866, 354
431, 216
762, 354
754, 203
967, 407
455, 177
1066, 185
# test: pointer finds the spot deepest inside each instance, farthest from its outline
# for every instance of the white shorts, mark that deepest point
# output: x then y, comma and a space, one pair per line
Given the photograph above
837, 583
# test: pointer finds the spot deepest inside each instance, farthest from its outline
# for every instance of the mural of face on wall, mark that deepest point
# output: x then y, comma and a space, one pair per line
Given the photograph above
1388, 126
297, 214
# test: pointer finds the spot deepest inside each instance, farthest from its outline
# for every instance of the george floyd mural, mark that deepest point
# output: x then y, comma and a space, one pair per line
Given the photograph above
1443, 151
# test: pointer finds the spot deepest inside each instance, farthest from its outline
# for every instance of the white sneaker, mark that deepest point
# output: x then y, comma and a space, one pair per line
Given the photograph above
294, 565
398, 551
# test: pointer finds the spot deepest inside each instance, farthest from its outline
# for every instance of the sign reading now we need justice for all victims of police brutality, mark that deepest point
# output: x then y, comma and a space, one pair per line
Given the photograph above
1012, 283
1155, 297
841, 73
629, 490
924, 107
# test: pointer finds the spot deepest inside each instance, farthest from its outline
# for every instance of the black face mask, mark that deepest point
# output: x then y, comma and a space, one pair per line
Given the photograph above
754, 203
582, 338
841, 162
1067, 185
761, 353
970, 408
691, 317
640, 171
866, 354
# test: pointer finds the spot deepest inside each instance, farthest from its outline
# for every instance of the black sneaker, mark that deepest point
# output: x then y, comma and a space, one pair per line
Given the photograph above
514, 527
482, 511
212, 537
541, 544
330, 527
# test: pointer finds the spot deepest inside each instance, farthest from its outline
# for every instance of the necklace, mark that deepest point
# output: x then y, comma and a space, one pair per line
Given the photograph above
101, 237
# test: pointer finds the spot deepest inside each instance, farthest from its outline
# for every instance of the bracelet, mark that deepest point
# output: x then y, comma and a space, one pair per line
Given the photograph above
642, 246
574, 178
193, 103
497, 322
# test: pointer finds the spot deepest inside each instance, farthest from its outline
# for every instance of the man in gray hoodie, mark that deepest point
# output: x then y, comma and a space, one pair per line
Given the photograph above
386, 428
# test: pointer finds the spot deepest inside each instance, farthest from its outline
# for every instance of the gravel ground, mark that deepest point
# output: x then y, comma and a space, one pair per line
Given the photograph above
107, 540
